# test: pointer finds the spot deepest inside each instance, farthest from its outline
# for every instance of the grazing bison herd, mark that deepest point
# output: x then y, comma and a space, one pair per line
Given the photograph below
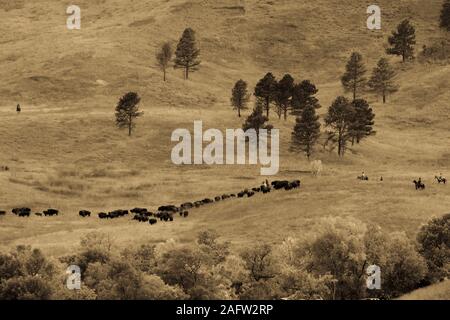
166, 213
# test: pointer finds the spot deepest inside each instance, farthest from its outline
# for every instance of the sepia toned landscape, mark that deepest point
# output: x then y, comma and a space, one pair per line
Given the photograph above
64, 150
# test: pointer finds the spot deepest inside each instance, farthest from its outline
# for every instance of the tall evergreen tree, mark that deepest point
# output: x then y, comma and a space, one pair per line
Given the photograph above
403, 40
257, 120
382, 80
303, 95
363, 120
306, 131
339, 118
163, 57
283, 95
127, 110
354, 79
266, 89
445, 16
186, 55
240, 96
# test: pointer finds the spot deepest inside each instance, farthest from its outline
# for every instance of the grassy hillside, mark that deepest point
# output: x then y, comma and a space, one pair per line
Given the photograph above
440, 291
64, 151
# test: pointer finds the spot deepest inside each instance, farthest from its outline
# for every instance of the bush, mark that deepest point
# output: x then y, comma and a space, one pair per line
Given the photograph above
434, 246
25, 274
438, 51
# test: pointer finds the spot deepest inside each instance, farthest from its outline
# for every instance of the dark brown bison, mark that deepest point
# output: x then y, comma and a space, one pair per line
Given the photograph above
51, 212
84, 213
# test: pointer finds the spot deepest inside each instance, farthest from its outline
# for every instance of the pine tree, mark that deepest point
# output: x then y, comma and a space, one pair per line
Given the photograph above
339, 118
257, 120
127, 110
382, 80
164, 56
240, 96
402, 41
186, 55
283, 94
302, 96
445, 16
354, 79
362, 121
265, 89
306, 131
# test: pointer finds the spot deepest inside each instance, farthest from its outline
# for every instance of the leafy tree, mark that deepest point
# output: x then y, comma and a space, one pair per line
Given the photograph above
216, 252
164, 56
339, 118
186, 54
404, 269
260, 262
306, 131
143, 257
434, 246
265, 89
354, 79
303, 94
127, 110
339, 251
362, 122
25, 274
256, 120
382, 80
283, 94
445, 16
240, 96
403, 40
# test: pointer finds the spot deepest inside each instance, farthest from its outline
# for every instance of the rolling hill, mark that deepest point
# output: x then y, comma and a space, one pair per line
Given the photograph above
65, 152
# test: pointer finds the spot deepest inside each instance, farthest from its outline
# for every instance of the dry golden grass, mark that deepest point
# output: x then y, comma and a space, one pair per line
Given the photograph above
64, 151
440, 291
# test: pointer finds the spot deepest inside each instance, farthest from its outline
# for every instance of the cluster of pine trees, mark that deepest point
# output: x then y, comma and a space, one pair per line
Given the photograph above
347, 120
186, 55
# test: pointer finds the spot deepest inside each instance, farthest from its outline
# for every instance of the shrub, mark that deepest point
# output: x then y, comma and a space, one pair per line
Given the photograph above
434, 246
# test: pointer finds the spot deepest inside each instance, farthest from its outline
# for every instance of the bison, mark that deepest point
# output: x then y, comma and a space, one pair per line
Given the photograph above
22, 212
103, 215
187, 205
84, 213
168, 208
51, 212
277, 185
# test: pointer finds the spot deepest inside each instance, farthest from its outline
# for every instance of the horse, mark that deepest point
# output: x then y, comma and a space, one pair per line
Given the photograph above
441, 180
419, 185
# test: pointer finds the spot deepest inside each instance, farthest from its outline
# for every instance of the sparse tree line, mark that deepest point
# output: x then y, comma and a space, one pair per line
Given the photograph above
347, 120
287, 97
186, 58
331, 264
